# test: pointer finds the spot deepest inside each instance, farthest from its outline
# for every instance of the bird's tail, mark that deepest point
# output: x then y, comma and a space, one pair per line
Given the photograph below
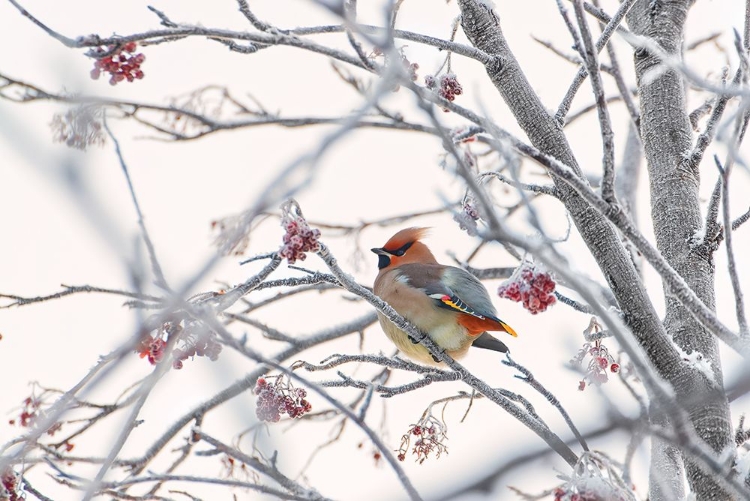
489, 342
507, 328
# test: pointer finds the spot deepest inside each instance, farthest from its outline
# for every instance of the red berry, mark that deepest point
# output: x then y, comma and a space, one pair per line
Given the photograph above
615, 368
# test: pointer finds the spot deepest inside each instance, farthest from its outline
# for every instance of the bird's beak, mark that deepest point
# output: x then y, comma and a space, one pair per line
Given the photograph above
380, 251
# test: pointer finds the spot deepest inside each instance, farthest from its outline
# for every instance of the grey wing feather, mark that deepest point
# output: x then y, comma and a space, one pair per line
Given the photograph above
468, 287
465, 289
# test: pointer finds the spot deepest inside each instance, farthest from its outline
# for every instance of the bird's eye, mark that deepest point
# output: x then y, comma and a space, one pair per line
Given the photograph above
402, 250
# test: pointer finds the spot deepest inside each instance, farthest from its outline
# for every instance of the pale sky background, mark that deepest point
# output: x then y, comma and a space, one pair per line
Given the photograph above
52, 235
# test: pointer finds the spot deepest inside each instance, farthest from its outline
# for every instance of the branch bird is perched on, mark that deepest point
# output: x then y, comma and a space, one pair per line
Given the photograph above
447, 303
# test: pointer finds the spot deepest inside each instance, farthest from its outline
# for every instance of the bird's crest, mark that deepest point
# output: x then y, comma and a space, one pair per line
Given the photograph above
405, 236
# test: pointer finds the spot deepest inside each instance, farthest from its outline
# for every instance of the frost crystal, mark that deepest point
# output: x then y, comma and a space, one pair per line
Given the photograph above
697, 239
742, 466
697, 361
593, 478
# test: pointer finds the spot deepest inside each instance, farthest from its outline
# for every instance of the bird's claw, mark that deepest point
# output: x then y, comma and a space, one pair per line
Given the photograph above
415, 340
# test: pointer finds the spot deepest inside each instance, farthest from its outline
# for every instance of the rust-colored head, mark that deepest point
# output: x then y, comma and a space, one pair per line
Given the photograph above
404, 247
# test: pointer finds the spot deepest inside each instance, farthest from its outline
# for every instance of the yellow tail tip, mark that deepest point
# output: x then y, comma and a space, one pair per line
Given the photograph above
509, 329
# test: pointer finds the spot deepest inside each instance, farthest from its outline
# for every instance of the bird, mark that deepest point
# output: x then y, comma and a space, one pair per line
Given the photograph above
448, 304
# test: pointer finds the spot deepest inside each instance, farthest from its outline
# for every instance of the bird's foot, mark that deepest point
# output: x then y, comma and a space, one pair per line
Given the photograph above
417, 341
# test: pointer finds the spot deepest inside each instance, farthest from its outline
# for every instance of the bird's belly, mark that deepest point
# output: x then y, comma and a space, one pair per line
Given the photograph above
446, 333
449, 336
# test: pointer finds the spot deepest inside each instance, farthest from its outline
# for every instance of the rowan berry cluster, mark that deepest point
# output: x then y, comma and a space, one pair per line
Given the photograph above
152, 348
205, 346
79, 127
411, 68
33, 407
189, 341
298, 239
467, 218
29, 412
562, 494
449, 87
599, 364
237, 469
593, 479
428, 436
233, 237
122, 63
9, 488
530, 285
279, 397
446, 86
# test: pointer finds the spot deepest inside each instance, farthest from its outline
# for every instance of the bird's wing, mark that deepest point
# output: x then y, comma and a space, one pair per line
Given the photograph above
457, 290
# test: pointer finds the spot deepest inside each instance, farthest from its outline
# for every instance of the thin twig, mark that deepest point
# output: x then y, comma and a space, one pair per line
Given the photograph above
534, 188
627, 95
529, 378
76, 289
741, 220
161, 281
68, 42
732, 264
245, 9
613, 24
705, 138
605, 124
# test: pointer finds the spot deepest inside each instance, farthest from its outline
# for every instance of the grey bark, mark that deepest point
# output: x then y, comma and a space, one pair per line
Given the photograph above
626, 186
482, 28
667, 139
676, 215
629, 173
666, 475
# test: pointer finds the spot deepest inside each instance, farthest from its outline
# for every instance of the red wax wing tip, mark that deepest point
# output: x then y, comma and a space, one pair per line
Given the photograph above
476, 325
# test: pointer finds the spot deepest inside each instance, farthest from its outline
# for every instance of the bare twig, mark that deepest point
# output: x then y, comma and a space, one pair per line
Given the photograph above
161, 281
592, 64
738, 296
76, 289
529, 378
613, 24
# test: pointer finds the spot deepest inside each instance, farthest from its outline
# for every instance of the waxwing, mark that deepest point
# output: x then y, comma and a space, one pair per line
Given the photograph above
448, 304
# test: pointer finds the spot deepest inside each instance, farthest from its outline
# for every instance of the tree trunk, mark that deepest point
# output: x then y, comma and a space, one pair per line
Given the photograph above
676, 215
666, 138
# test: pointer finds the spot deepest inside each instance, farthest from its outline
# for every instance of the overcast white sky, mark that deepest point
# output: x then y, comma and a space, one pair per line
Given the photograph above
52, 234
